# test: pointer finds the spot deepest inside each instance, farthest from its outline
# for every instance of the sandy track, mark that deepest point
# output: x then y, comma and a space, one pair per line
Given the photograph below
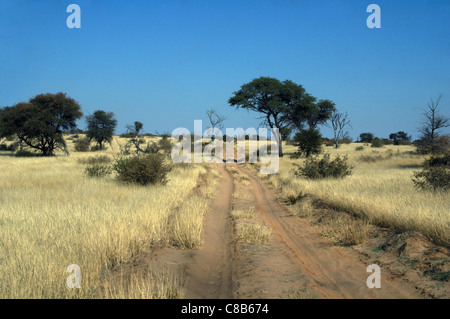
210, 271
296, 262
334, 274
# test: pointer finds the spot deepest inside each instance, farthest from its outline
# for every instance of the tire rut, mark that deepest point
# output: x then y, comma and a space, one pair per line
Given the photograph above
210, 272
335, 274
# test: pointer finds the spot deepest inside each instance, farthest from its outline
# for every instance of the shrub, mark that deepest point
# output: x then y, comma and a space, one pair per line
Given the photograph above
441, 145
346, 140
315, 168
142, 169
377, 142
152, 148
81, 145
359, 148
293, 199
165, 145
97, 147
98, 170
435, 174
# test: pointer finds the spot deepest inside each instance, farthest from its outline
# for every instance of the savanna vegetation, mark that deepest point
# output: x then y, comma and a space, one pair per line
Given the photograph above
52, 215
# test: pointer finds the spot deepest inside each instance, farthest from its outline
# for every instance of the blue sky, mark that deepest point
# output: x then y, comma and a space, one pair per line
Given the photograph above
165, 62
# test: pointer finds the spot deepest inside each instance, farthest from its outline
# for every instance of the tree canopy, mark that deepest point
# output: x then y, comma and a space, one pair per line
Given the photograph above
366, 137
400, 137
40, 122
282, 104
101, 126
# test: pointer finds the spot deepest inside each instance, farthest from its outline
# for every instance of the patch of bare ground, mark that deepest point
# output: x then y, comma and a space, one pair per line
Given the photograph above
263, 267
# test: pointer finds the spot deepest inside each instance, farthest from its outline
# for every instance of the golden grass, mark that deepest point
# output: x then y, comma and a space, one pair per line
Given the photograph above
381, 191
344, 229
161, 284
253, 233
187, 223
52, 215
243, 214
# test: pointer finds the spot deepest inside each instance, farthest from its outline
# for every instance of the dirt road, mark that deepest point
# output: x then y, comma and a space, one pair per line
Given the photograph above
295, 262
333, 273
209, 272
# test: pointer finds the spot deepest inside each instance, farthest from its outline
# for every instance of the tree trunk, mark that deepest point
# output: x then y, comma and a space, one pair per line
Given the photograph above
280, 147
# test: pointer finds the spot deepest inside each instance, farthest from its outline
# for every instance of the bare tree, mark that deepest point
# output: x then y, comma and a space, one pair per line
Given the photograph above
215, 119
432, 124
339, 121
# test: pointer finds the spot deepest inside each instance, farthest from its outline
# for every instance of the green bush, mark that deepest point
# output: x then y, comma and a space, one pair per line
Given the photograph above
359, 148
81, 145
308, 141
435, 174
98, 170
377, 142
142, 169
315, 168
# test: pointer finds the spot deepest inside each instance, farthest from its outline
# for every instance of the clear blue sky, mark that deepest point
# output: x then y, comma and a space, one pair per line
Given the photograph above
165, 62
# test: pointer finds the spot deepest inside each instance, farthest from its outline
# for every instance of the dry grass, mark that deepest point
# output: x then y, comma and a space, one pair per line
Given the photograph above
186, 224
52, 215
243, 214
345, 230
382, 191
161, 284
253, 233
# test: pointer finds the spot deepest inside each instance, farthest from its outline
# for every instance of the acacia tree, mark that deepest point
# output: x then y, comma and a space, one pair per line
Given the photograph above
400, 138
39, 124
100, 127
273, 99
320, 113
215, 119
432, 124
366, 137
339, 121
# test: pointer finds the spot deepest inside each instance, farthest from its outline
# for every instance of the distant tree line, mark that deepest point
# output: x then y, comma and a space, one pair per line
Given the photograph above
40, 122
